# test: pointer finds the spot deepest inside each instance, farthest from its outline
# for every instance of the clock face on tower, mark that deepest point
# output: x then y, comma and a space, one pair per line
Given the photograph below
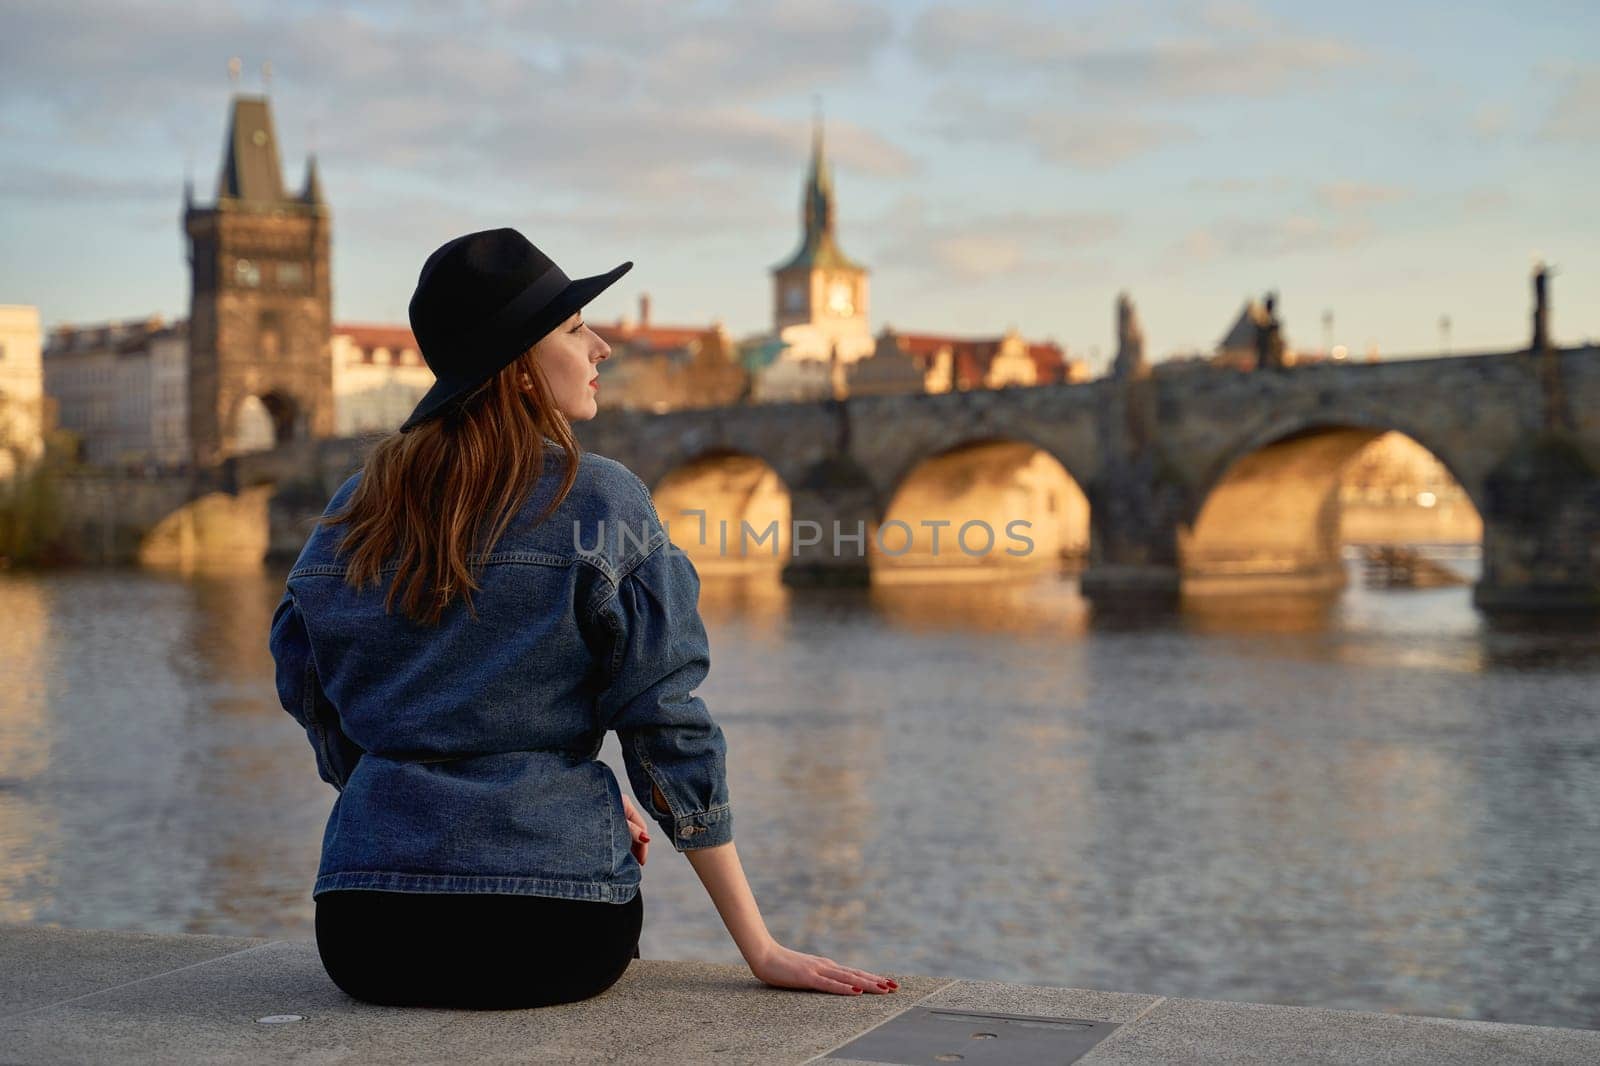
841, 299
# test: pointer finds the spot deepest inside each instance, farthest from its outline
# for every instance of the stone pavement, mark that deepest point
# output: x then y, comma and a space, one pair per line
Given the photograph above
76, 996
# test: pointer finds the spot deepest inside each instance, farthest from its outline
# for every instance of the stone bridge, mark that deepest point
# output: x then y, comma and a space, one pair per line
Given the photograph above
1188, 472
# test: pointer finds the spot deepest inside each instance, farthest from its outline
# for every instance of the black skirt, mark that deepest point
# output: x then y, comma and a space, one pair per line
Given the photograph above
470, 950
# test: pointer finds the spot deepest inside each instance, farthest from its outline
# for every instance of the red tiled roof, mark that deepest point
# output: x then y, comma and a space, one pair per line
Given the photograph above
927, 344
1049, 362
973, 356
652, 337
369, 335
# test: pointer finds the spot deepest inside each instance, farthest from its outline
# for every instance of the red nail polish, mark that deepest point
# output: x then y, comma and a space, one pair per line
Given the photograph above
853, 988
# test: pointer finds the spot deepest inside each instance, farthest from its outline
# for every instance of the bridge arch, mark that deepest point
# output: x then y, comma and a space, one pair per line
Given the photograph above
1027, 511
262, 421
961, 434
743, 524
1270, 505
216, 531
1283, 427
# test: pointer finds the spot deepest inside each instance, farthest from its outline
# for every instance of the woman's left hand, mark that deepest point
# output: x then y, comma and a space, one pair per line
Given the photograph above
636, 829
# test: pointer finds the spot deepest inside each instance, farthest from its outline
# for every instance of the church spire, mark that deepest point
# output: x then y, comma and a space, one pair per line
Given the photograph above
819, 246
819, 185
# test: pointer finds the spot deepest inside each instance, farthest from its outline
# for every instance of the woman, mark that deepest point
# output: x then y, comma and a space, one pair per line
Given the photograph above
475, 610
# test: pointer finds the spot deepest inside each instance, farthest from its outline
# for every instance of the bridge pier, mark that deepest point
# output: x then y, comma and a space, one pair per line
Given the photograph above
1135, 506
1541, 530
1112, 585
833, 515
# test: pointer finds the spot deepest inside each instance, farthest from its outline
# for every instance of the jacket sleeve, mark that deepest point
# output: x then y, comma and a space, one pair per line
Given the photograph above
301, 694
658, 655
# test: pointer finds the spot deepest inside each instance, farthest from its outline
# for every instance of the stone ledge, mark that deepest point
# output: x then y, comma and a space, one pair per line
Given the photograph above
86, 996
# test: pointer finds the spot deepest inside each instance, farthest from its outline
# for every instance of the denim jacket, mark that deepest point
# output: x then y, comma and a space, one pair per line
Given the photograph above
464, 755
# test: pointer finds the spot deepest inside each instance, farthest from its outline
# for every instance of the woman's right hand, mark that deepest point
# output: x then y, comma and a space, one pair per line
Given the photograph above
782, 967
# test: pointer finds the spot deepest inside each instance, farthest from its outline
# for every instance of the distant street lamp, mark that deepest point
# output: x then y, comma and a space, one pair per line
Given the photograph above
1444, 334
1327, 330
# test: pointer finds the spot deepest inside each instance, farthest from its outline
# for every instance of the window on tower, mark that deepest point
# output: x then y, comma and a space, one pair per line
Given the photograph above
794, 297
246, 273
291, 274
841, 300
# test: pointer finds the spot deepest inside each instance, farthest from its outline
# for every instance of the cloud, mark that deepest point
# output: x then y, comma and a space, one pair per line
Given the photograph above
1241, 186
1491, 120
1198, 244
1267, 238
52, 185
1484, 199
1100, 142
1080, 93
1575, 115
1234, 15
1336, 216
680, 54
1356, 195
1221, 50
652, 113
1084, 140
987, 37
1191, 69
987, 248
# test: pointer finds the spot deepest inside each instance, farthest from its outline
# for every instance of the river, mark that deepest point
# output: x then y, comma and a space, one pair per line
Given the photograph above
1376, 801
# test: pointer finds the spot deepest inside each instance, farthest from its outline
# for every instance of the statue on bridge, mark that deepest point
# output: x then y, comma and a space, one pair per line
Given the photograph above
1557, 414
1129, 363
1541, 306
1269, 338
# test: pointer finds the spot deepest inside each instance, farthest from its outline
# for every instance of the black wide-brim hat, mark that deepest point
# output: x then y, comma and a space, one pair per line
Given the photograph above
482, 300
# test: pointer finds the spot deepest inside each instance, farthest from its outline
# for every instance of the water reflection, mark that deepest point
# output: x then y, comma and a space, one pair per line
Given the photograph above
28, 829
1048, 605
1376, 800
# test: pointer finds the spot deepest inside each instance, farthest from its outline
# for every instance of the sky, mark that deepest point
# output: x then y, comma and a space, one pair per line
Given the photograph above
996, 164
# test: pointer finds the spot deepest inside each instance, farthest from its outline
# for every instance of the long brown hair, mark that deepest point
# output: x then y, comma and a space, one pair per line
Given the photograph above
434, 498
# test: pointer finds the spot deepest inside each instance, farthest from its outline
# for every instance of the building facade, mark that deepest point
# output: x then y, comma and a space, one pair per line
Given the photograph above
954, 363
653, 367
24, 412
890, 370
169, 397
121, 388
378, 378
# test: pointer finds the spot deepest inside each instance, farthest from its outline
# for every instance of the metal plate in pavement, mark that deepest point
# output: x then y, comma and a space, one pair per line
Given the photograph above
933, 1036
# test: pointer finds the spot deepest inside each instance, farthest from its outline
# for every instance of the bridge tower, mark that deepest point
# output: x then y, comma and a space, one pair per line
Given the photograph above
261, 299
